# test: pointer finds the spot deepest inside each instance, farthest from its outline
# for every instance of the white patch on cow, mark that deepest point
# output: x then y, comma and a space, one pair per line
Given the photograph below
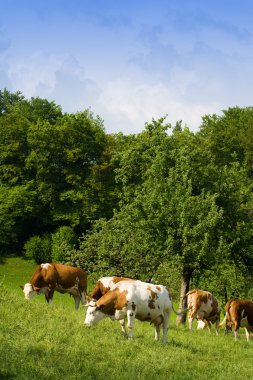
201, 325
45, 266
93, 316
29, 292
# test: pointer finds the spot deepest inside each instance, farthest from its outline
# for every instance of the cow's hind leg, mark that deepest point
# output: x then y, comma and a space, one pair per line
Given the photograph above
190, 320
247, 334
166, 317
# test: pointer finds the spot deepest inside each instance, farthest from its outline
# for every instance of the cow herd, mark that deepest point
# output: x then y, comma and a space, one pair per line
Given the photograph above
125, 299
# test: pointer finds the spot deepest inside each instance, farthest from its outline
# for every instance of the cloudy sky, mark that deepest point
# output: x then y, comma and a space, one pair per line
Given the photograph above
130, 61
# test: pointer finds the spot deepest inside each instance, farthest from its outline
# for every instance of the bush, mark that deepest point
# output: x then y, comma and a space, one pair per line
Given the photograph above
39, 248
63, 244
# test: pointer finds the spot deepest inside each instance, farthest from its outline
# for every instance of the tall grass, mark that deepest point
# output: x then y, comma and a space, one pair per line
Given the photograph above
40, 342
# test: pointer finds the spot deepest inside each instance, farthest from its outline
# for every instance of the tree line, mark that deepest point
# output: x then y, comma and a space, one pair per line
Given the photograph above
165, 204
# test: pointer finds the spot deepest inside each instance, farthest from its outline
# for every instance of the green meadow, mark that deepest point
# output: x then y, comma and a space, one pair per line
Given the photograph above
44, 342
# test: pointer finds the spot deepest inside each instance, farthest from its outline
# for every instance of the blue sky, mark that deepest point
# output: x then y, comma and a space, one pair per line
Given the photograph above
130, 61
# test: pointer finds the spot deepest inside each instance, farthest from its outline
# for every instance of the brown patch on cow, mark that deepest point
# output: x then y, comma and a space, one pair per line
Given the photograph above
99, 291
158, 288
113, 300
153, 297
170, 292
115, 280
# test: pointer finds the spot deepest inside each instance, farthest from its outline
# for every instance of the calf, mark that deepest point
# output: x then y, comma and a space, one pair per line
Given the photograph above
205, 307
62, 278
238, 314
133, 299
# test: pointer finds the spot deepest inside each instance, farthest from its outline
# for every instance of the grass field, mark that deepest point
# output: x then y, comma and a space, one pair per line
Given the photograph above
40, 342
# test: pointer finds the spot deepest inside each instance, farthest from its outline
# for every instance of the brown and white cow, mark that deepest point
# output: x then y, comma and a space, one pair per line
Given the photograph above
205, 307
51, 277
239, 314
133, 299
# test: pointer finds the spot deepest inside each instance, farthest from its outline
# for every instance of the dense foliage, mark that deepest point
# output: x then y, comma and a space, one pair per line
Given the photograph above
166, 204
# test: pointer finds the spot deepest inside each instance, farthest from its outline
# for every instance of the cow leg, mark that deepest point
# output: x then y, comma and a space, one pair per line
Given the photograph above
83, 298
208, 325
77, 302
166, 317
157, 331
49, 295
130, 323
190, 320
247, 334
123, 326
236, 328
217, 327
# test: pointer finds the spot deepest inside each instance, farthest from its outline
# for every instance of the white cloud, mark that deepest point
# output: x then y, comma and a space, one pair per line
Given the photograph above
27, 74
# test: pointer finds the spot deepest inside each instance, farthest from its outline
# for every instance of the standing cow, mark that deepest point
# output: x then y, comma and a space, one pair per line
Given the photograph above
205, 307
238, 314
62, 278
133, 299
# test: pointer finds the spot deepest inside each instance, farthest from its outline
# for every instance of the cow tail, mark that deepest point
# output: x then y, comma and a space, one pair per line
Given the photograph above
179, 312
224, 321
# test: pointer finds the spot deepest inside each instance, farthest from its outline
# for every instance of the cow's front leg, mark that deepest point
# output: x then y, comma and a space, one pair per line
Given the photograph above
123, 327
49, 295
77, 302
157, 331
83, 297
130, 323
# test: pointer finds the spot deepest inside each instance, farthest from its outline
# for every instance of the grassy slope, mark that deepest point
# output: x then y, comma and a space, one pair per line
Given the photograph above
41, 342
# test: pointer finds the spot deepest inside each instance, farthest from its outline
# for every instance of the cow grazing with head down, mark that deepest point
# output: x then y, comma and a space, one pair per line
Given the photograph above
238, 314
133, 299
205, 307
52, 277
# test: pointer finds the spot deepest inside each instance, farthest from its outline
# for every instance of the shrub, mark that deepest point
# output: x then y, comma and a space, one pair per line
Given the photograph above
38, 248
63, 243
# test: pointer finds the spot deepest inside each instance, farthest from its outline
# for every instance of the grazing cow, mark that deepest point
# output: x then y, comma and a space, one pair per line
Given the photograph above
133, 299
62, 278
103, 285
205, 307
238, 314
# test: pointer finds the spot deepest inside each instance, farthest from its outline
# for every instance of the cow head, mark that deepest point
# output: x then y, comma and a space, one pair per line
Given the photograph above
93, 314
29, 291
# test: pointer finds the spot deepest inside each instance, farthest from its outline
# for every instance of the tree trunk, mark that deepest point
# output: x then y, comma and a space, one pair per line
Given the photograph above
184, 288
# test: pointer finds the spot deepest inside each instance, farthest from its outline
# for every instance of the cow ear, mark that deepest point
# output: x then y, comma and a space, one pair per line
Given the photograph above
21, 286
